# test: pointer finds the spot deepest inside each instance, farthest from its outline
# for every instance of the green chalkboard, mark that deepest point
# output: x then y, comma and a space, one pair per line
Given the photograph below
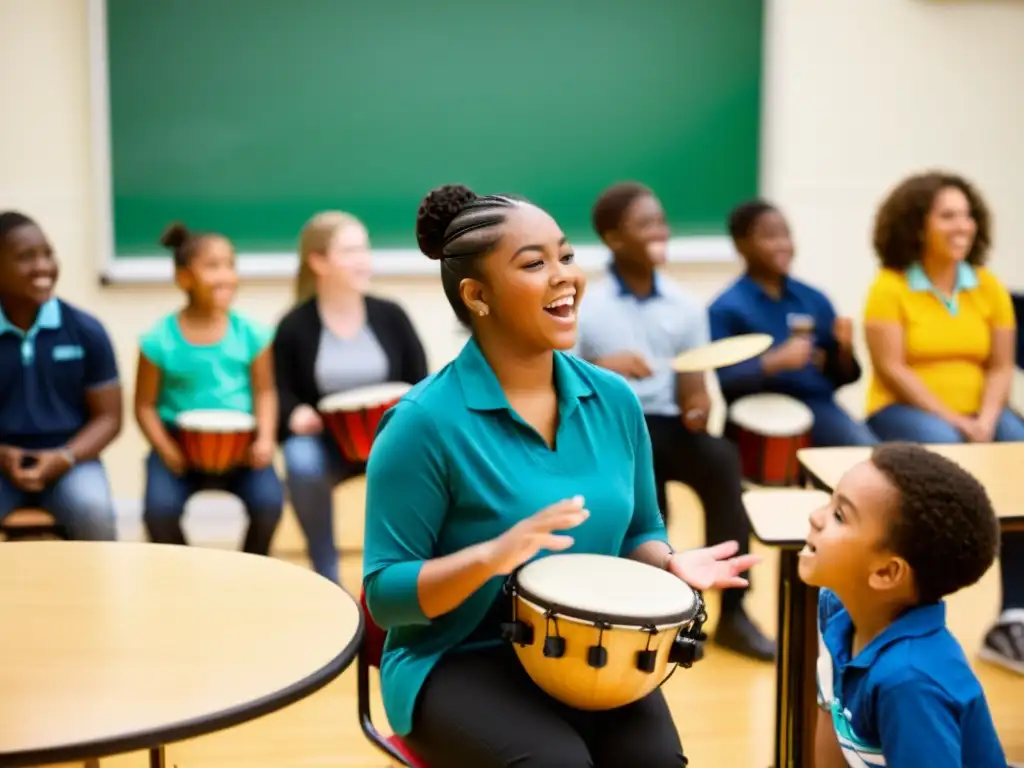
246, 116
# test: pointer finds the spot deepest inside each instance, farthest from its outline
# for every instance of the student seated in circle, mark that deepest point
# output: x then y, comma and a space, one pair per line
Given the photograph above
941, 331
337, 338
637, 320
479, 469
203, 357
812, 353
60, 392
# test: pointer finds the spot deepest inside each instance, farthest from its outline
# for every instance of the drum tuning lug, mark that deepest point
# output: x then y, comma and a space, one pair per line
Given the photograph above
646, 660
554, 647
686, 651
597, 656
517, 632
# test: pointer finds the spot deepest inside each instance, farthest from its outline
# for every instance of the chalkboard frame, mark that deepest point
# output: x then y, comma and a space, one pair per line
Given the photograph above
128, 269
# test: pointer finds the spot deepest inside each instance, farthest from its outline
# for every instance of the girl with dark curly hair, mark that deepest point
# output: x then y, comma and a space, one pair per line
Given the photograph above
941, 332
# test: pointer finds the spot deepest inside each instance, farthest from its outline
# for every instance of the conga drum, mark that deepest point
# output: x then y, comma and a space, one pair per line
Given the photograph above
599, 632
215, 442
768, 430
354, 415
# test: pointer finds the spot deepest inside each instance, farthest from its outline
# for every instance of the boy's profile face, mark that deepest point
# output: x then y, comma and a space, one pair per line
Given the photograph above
641, 238
768, 247
28, 267
846, 550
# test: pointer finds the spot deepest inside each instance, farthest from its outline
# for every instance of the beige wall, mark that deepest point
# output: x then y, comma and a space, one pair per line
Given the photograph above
858, 93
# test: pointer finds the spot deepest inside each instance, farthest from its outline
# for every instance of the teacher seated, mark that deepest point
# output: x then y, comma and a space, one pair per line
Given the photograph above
336, 339
514, 450
941, 333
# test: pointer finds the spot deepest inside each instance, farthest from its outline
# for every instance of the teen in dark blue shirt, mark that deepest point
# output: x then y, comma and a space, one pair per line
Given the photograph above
903, 530
60, 394
812, 356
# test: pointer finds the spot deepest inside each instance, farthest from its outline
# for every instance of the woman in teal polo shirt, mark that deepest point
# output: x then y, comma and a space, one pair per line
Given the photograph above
457, 475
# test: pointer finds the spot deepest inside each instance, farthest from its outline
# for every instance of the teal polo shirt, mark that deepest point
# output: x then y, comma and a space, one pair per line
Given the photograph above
453, 465
204, 376
45, 373
909, 698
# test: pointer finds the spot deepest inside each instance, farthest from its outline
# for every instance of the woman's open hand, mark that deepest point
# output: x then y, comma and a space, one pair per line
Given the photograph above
712, 567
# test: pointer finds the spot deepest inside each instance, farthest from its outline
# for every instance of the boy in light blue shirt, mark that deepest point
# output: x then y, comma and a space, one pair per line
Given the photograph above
903, 530
206, 357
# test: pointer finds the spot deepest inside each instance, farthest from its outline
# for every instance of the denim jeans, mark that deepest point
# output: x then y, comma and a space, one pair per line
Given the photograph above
259, 490
833, 426
80, 501
903, 422
314, 467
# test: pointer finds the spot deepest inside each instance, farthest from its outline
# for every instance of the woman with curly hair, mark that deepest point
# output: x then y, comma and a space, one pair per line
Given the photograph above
941, 333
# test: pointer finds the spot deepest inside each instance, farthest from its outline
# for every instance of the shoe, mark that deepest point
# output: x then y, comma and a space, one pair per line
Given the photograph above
1004, 643
737, 633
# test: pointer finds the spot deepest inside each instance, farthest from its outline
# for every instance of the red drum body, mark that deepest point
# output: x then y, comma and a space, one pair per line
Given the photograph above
353, 416
768, 430
215, 442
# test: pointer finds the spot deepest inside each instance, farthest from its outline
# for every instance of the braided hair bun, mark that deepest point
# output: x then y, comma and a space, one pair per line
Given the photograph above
436, 213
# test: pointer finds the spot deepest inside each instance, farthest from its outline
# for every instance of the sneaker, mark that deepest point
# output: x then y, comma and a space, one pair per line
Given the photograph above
1004, 643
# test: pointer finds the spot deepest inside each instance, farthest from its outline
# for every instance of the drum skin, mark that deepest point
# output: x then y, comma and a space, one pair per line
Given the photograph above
215, 442
571, 678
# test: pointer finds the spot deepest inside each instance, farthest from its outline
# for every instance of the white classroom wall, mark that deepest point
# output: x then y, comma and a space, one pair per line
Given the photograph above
857, 94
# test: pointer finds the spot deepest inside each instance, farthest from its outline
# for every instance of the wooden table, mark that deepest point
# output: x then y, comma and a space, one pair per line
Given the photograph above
111, 647
996, 466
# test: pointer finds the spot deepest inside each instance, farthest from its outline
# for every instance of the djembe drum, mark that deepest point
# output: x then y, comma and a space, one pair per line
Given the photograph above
599, 632
215, 442
353, 416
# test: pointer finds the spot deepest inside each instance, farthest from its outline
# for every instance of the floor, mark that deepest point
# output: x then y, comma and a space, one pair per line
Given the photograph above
723, 706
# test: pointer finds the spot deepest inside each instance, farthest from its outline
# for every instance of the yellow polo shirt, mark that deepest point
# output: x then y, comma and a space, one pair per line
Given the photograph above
947, 342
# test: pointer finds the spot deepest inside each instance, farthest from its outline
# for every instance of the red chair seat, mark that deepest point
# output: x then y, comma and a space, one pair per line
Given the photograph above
398, 744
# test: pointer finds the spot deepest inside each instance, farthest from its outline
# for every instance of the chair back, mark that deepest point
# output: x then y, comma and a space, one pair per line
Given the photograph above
373, 637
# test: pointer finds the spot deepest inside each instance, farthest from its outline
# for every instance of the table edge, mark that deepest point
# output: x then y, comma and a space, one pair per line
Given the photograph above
198, 726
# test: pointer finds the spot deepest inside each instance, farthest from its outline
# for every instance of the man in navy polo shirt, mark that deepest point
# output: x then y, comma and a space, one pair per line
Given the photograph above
813, 352
903, 530
60, 396
634, 322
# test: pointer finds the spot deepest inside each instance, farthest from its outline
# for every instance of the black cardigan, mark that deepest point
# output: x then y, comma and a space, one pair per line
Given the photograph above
297, 342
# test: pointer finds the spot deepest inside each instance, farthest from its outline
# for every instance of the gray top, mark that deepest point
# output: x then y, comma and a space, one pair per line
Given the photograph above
343, 364
658, 327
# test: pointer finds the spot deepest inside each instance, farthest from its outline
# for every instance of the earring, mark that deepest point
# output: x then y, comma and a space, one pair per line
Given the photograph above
483, 311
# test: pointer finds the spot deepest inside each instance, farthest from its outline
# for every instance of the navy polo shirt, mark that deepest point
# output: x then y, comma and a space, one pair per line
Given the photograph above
745, 307
909, 698
47, 371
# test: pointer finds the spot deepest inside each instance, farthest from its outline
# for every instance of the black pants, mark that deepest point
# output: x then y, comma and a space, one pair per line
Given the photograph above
479, 709
711, 467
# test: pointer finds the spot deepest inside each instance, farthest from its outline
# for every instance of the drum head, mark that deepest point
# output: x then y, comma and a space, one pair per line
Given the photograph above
216, 421
771, 415
615, 590
722, 353
364, 397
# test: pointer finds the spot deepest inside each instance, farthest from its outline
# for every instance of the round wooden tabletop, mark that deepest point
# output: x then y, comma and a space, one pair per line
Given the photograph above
111, 647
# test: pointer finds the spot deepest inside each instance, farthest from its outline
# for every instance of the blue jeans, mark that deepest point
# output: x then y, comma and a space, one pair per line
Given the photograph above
259, 490
833, 426
905, 423
315, 467
80, 502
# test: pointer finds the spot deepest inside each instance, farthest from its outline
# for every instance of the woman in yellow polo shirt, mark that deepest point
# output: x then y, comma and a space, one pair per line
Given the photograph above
941, 333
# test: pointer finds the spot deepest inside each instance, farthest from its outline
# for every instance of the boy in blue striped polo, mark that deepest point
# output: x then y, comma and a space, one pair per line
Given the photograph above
903, 529
60, 394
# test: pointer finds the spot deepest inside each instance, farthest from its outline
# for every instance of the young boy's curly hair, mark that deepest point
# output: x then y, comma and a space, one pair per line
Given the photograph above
900, 220
944, 526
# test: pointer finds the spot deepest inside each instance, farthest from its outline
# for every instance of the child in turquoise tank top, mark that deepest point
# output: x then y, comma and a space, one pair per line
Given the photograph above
207, 357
